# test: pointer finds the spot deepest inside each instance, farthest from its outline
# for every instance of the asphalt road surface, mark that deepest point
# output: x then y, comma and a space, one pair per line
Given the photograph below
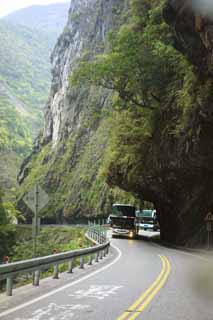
139, 280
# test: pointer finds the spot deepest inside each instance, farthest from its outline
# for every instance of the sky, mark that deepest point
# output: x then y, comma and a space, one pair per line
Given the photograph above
205, 7
8, 6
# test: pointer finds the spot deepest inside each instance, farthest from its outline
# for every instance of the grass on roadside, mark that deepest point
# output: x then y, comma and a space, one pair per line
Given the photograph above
60, 238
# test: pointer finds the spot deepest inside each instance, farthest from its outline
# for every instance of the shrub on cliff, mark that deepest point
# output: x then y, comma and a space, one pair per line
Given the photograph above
145, 71
141, 64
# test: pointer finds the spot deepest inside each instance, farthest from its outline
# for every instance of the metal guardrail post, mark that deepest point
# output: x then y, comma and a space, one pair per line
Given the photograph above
55, 272
94, 253
9, 286
90, 260
81, 263
101, 255
104, 252
107, 250
70, 266
36, 278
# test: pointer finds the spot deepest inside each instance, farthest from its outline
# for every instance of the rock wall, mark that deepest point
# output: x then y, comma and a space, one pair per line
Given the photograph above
68, 156
194, 33
175, 170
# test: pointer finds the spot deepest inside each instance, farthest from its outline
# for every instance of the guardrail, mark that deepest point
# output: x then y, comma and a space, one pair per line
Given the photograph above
95, 233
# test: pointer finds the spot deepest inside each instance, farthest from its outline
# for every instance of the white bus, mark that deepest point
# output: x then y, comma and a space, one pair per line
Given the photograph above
123, 221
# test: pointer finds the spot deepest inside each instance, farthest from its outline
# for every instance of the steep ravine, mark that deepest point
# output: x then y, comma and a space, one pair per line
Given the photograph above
173, 168
68, 158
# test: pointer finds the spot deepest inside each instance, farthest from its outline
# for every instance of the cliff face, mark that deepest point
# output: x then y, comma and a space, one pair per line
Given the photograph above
68, 157
175, 170
194, 32
84, 34
172, 166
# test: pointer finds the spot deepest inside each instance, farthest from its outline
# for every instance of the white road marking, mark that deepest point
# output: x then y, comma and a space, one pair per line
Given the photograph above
55, 312
96, 291
24, 305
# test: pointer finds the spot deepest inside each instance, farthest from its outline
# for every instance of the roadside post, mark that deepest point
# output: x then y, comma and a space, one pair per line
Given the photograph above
36, 199
56, 266
209, 222
6, 260
9, 281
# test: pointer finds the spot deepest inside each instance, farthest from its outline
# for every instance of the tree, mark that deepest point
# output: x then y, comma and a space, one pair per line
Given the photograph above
141, 63
3, 215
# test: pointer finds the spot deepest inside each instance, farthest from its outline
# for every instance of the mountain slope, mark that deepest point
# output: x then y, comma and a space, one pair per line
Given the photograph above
49, 18
160, 64
25, 66
25, 75
15, 137
70, 158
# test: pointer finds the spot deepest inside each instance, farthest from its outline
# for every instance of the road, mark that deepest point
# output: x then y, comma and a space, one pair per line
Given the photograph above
139, 280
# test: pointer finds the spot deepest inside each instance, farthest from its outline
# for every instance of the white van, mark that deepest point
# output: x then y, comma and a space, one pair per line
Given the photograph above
147, 220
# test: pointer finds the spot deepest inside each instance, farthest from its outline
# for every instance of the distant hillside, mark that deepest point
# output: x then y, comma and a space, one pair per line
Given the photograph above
24, 86
50, 18
25, 62
27, 38
15, 136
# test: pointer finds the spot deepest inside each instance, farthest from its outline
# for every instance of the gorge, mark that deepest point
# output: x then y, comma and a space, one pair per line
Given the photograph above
142, 123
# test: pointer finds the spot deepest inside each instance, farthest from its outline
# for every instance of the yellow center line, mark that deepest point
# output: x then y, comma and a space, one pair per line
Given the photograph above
160, 279
153, 294
144, 295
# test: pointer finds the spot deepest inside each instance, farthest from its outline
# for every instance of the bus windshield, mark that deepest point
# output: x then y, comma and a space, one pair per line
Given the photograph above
123, 210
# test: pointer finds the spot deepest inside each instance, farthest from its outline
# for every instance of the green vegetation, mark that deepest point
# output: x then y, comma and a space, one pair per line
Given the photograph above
26, 43
145, 72
3, 215
75, 181
80, 190
49, 238
7, 239
15, 143
142, 64
24, 84
25, 65
18, 244
160, 144
7, 232
138, 117
14, 132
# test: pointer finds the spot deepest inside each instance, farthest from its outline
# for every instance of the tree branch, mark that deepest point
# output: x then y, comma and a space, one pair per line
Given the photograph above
155, 97
129, 97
